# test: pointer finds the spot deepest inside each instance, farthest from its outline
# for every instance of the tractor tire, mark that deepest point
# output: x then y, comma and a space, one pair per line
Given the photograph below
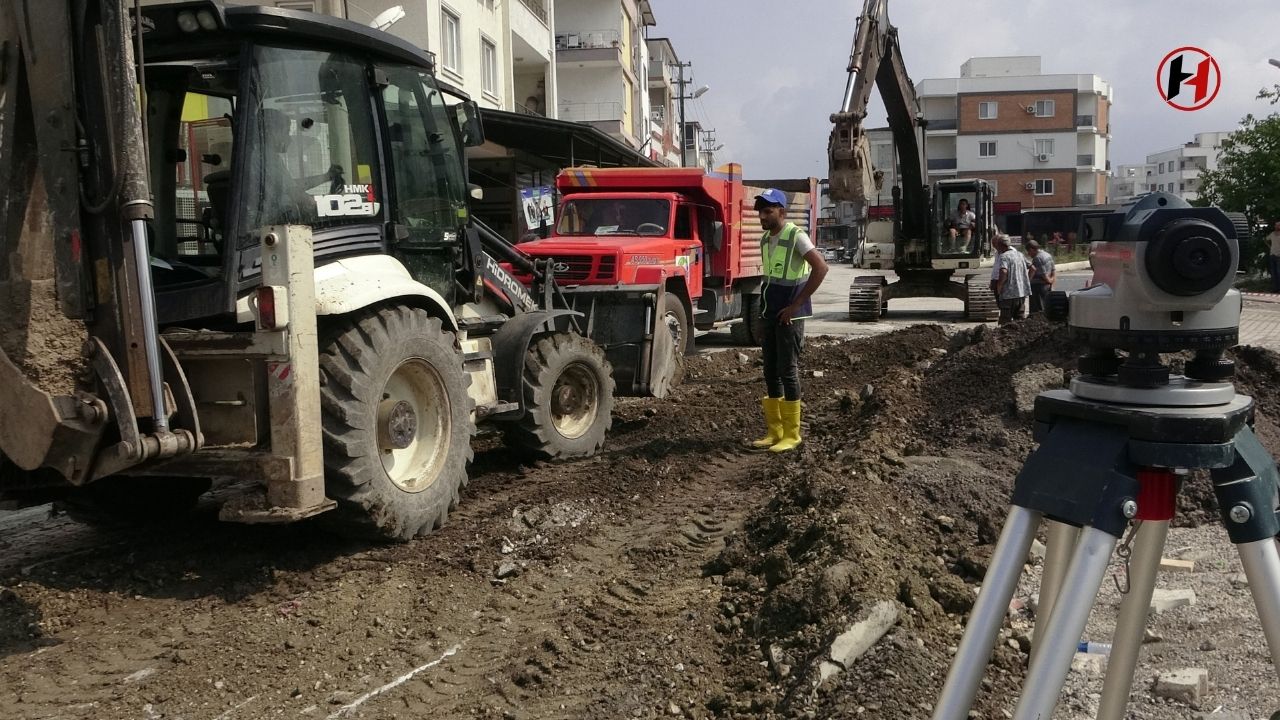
396, 421
140, 501
677, 320
865, 304
979, 302
568, 398
749, 332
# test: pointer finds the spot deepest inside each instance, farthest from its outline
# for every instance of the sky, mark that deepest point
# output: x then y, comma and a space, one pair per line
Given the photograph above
776, 70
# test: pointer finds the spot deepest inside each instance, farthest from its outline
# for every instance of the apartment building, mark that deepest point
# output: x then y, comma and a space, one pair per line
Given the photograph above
1041, 140
1129, 181
602, 66
1177, 170
501, 53
663, 139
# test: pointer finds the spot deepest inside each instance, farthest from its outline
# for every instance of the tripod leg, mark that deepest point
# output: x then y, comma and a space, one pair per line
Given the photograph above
1148, 546
1261, 560
1043, 683
988, 615
1060, 542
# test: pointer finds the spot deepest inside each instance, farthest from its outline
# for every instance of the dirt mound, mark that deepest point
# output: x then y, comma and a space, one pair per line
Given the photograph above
863, 515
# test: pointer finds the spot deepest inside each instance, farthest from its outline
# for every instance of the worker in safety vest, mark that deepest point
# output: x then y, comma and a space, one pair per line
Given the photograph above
793, 270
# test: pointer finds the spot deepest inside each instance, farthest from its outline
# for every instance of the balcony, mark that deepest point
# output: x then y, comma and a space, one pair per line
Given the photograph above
1086, 199
658, 116
588, 39
942, 163
591, 48
538, 9
659, 74
943, 125
1084, 161
1085, 121
591, 112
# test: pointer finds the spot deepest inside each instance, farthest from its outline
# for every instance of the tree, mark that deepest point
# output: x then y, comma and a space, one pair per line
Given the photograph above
1248, 176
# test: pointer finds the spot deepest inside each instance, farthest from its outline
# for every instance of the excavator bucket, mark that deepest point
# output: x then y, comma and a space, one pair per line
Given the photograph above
852, 176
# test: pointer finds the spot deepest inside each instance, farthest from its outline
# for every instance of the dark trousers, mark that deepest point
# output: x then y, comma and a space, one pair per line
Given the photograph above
782, 345
1039, 297
1273, 267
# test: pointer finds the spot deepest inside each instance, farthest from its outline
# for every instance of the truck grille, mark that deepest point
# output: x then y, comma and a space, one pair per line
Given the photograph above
580, 268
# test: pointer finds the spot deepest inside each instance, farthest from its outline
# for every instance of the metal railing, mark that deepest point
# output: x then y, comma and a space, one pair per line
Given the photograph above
590, 112
658, 115
943, 124
586, 39
1086, 199
538, 9
942, 163
1084, 160
1084, 121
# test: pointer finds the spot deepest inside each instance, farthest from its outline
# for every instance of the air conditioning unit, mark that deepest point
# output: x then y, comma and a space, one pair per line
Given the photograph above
1030, 186
1043, 157
1031, 109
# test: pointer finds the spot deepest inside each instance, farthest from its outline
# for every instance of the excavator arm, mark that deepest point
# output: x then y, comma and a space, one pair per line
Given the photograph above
876, 59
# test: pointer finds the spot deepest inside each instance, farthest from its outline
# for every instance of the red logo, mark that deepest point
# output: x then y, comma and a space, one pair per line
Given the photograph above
1188, 78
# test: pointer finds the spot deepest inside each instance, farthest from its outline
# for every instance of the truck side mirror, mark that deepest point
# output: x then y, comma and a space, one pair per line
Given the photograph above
717, 235
477, 192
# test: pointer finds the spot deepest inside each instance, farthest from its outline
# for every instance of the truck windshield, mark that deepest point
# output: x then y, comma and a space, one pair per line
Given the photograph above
615, 216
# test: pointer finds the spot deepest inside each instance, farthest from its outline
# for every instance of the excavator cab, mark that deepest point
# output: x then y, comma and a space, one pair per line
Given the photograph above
950, 240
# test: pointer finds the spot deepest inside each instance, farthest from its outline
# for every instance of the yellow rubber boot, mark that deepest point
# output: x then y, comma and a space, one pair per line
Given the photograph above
790, 410
773, 420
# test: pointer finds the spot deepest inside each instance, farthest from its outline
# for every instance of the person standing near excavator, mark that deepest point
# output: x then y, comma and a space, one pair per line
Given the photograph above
793, 270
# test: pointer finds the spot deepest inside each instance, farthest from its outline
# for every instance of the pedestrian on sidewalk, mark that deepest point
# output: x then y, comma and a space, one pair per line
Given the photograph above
1042, 274
1273, 257
793, 270
1010, 282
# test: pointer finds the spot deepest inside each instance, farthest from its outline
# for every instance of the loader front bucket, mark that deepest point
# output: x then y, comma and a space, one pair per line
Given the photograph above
624, 322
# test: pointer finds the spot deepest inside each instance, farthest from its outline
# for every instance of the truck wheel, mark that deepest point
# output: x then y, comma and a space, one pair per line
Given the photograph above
397, 423
142, 500
569, 398
678, 322
749, 332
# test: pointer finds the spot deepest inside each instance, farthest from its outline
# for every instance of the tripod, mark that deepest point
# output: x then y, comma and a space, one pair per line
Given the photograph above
1108, 455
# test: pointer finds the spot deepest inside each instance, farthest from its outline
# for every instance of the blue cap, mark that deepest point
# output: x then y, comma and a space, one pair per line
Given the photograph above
771, 196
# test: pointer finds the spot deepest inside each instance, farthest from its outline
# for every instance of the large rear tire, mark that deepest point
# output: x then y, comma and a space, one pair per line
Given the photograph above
397, 423
568, 398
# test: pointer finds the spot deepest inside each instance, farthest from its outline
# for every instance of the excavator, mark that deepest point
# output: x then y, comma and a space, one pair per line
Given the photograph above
235, 245
926, 259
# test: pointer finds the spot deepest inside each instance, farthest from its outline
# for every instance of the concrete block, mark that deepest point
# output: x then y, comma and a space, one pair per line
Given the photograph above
1165, 600
828, 670
1089, 663
1171, 565
1187, 685
852, 643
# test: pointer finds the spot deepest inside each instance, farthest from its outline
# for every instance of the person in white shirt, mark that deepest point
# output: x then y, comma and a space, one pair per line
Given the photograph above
1011, 282
961, 222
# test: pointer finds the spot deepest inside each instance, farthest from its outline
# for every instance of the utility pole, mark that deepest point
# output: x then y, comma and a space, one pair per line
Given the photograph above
709, 142
684, 145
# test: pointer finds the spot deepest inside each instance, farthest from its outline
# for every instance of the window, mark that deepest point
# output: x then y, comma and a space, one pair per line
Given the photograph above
425, 166
1044, 187
451, 41
1044, 147
1161, 170
1151, 188
489, 63
987, 110
986, 148
1044, 108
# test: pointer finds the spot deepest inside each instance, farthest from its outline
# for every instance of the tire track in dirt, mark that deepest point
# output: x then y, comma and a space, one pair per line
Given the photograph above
576, 622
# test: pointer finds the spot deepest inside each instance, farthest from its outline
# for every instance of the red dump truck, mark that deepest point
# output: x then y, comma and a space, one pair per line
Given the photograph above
687, 235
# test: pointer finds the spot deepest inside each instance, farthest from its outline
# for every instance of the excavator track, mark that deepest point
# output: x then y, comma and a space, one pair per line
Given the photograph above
864, 302
980, 302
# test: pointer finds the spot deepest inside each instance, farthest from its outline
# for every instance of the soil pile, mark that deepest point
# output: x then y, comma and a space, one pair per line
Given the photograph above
899, 495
